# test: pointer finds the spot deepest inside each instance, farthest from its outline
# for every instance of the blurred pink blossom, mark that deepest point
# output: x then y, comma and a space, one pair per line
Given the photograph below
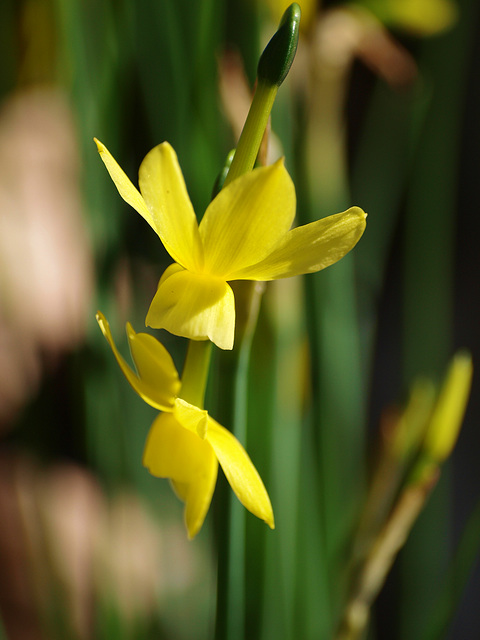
45, 257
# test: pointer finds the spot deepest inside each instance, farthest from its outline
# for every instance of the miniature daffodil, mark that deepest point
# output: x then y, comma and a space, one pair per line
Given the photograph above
245, 234
185, 444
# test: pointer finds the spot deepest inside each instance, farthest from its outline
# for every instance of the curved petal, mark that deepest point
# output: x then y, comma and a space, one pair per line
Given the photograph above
153, 362
240, 472
165, 194
191, 417
169, 271
181, 489
171, 451
157, 395
247, 219
125, 188
310, 248
176, 453
194, 306
198, 496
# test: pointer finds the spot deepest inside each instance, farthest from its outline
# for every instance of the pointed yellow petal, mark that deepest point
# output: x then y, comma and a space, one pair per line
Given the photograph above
309, 248
129, 193
240, 472
199, 497
163, 188
176, 453
247, 219
157, 395
153, 362
194, 306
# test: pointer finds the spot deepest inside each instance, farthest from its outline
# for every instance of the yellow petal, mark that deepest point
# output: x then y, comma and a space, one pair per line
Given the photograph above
194, 306
163, 188
129, 193
171, 451
158, 394
199, 497
240, 472
169, 271
309, 248
191, 417
247, 219
179, 454
181, 489
153, 362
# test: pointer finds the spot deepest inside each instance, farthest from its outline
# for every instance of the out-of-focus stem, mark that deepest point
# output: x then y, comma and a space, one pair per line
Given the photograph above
274, 65
331, 302
380, 559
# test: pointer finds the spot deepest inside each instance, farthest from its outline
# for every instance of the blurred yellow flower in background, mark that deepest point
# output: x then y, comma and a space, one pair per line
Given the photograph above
278, 7
244, 235
422, 17
185, 444
447, 417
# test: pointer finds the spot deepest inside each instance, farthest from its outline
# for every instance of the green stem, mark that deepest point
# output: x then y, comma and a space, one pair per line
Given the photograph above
253, 130
232, 603
195, 372
273, 67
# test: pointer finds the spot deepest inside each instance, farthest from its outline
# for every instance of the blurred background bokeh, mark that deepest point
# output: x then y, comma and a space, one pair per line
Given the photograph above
380, 110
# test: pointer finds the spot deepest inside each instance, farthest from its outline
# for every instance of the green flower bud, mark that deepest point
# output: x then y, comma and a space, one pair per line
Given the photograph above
278, 55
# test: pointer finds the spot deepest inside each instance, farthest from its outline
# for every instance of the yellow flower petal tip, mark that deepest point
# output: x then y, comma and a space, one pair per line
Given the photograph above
270, 521
102, 321
156, 380
240, 472
101, 148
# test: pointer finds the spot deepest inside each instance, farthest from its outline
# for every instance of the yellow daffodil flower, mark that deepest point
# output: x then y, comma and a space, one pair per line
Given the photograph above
244, 235
185, 444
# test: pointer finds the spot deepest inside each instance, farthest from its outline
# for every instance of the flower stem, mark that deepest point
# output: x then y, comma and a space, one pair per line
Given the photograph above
253, 130
273, 67
195, 372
